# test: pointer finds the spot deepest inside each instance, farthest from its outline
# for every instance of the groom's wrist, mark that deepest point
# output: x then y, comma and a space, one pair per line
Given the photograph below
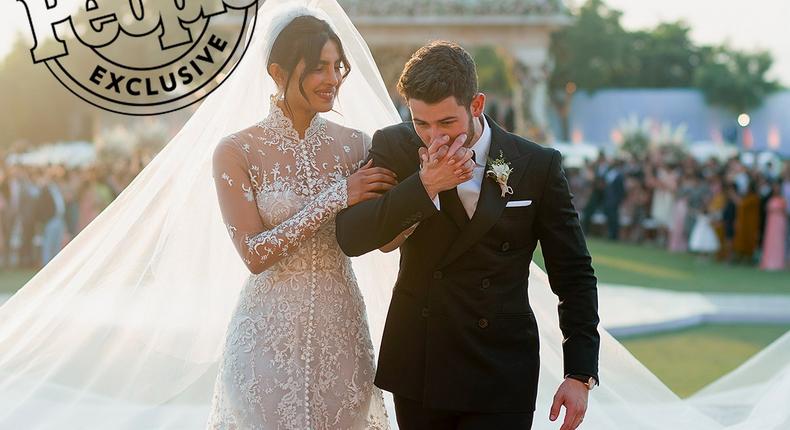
587, 380
429, 188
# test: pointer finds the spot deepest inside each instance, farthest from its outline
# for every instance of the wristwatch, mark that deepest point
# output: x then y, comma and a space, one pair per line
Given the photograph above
588, 381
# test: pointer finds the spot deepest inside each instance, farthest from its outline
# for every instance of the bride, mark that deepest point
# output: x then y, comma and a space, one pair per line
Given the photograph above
298, 353
150, 320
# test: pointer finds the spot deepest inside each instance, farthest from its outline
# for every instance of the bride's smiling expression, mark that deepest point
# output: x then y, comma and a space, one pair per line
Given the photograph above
319, 86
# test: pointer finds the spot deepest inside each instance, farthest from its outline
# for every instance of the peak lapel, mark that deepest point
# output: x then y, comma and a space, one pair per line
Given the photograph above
491, 203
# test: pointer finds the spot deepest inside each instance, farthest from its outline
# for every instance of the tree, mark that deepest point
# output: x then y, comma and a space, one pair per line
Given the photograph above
588, 54
595, 52
660, 58
36, 107
493, 73
736, 80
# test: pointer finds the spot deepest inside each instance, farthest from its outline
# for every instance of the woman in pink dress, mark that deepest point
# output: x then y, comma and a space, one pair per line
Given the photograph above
775, 231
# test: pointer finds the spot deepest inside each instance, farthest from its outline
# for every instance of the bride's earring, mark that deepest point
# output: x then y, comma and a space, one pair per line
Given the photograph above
278, 96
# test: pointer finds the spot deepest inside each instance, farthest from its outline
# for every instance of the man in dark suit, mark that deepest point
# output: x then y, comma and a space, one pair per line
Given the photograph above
613, 196
460, 345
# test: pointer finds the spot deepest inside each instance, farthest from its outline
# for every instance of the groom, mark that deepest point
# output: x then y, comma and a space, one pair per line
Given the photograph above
460, 345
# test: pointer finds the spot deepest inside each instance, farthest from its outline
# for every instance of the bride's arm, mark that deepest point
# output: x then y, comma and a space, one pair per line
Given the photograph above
261, 248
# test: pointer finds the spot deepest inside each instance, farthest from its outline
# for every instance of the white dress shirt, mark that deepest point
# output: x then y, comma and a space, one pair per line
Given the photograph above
469, 191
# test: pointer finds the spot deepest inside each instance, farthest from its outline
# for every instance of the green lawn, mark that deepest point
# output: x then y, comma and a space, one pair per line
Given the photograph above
13, 280
687, 360
648, 266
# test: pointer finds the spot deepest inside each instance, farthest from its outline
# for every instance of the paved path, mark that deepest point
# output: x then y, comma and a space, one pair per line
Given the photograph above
628, 311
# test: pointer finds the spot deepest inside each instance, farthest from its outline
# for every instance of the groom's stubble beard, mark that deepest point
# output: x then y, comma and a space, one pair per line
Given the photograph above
471, 134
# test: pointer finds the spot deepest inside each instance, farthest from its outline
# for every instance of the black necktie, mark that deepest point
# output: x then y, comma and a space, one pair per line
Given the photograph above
450, 203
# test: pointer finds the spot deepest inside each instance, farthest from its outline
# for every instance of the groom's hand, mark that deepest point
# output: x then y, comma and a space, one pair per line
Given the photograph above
444, 167
573, 395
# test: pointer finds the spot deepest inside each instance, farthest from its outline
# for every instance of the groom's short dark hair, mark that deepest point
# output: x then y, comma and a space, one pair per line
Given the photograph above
439, 70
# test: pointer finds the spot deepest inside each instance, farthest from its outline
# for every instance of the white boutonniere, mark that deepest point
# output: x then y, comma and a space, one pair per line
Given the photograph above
500, 171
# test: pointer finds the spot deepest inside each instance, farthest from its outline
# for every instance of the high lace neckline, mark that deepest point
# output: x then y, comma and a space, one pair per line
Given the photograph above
279, 121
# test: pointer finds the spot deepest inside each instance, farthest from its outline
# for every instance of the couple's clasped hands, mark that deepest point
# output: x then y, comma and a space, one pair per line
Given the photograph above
443, 166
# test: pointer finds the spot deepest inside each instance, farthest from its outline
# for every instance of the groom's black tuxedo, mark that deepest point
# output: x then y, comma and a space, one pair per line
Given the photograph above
460, 334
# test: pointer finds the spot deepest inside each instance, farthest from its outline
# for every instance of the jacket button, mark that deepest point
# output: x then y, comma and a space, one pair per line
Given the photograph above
505, 246
437, 274
418, 215
482, 323
486, 283
426, 313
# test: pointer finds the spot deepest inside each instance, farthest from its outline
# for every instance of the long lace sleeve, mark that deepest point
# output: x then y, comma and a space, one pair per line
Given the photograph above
259, 247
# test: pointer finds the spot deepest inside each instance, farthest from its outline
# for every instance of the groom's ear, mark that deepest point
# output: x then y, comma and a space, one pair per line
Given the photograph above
478, 104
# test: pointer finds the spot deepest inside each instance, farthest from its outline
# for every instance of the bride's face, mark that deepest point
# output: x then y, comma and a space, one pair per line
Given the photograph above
320, 84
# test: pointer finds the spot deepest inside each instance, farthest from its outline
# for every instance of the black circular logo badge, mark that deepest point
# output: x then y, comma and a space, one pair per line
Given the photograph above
141, 57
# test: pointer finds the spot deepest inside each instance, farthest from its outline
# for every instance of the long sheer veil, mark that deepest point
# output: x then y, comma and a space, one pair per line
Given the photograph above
125, 327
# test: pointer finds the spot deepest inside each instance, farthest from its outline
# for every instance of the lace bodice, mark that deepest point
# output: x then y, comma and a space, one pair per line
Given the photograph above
276, 189
298, 353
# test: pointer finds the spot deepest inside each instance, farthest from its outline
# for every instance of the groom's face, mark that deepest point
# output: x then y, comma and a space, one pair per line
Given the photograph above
446, 117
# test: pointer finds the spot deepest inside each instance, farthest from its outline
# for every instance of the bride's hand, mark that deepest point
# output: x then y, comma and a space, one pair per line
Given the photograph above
369, 182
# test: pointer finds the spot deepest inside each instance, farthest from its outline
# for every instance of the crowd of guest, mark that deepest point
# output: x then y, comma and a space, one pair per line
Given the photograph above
727, 211
42, 208
724, 211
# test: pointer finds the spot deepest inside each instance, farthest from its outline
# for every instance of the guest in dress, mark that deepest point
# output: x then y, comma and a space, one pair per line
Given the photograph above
663, 181
635, 208
703, 238
773, 257
699, 193
747, 225
715, 210
728, 215
678, 241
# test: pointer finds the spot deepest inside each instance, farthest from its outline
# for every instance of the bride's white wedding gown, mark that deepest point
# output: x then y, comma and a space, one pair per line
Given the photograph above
298, 353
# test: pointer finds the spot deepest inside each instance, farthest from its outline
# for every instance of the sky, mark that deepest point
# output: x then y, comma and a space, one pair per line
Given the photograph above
752, 24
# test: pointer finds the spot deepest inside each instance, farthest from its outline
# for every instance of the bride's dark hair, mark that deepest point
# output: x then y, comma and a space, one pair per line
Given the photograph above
303, 39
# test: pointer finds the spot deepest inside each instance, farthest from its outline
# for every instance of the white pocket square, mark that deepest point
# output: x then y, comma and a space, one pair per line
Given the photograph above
518, 203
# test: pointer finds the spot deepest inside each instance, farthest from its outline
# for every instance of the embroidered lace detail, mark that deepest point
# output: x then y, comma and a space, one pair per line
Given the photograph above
298, 353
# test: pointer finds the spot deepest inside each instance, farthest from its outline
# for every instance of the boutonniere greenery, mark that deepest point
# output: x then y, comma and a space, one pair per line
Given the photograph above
500, 171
